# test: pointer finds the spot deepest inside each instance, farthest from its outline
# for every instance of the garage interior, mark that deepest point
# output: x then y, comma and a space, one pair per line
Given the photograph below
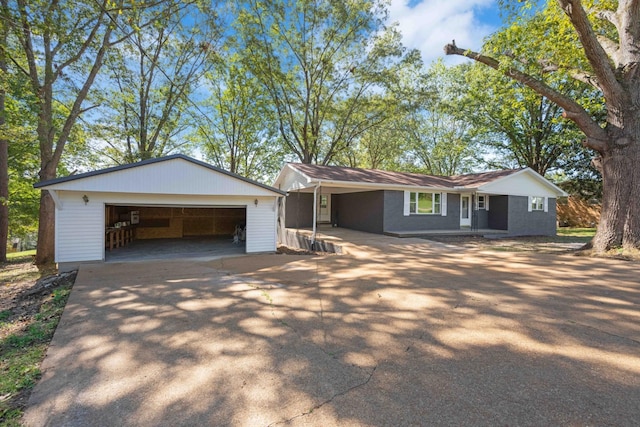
159, 232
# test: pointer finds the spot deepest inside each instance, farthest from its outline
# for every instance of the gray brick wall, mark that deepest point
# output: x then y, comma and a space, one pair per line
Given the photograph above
525, 223
359, 211
299, 210
394, 219
498, 215
481, 217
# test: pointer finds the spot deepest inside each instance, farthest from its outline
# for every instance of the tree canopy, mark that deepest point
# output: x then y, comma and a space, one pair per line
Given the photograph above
594, 42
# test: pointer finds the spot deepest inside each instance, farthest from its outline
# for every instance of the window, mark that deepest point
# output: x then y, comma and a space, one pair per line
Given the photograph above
324, 201
481, 202
424, 203
537, 203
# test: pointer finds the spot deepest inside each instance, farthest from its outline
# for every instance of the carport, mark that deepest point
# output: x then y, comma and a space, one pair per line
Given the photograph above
160, 206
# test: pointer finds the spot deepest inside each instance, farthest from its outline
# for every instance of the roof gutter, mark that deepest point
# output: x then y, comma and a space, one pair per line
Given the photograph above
374, 185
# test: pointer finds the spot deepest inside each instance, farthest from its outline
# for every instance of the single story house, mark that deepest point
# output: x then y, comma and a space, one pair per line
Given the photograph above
513, 202
169, 197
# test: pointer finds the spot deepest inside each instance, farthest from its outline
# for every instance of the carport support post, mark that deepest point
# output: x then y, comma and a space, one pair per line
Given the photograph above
315, 214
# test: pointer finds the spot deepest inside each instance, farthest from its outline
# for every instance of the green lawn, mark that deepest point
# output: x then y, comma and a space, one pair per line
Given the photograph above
576, 234
17, 256
27, 324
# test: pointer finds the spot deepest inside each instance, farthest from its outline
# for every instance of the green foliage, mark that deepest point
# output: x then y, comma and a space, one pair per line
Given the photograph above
238, 130
322, 64
145, 105
441, 138
522, 127
21, 353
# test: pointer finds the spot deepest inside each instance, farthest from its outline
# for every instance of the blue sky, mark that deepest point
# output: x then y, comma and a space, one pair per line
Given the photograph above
427, 25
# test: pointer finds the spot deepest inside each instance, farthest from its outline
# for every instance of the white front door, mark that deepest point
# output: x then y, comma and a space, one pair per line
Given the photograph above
324, 208
465, 210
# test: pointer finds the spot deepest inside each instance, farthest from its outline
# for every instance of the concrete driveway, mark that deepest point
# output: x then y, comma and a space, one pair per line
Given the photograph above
405, 333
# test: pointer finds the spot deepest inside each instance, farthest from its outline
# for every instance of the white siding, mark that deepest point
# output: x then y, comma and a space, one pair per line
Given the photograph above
261, 226
176, 176
522, 184
79, 228
291, 180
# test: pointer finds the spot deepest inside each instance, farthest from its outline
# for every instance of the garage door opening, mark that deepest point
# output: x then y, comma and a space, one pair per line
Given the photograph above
165, 232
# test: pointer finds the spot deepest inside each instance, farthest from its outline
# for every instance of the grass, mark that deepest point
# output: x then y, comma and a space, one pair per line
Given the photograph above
21, 354
24, 333
586, 233
20, 256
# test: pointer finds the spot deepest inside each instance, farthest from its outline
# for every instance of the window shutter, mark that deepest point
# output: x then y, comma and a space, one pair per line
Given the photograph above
443, 204
530, 199
486, 203
546, 204
407, 201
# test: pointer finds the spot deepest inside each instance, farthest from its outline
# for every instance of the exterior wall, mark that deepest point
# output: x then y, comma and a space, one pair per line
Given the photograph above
498, 218
359, 211
176, 176
261, 225
80, 228
525, 223
481, 218
524, 183
394, 219
299, 210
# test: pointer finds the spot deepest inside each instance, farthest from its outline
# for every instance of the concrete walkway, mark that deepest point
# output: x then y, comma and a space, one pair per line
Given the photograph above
416, 334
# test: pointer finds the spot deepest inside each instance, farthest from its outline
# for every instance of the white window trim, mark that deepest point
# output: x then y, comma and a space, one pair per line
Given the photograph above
443, 204
407, 203
545, 205
484, 202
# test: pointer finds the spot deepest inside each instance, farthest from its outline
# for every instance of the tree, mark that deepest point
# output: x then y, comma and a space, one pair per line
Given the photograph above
237, 130
599, 48
441, 139
524, 127
61, 49
4, 143
58, 40
152, 75
320, 63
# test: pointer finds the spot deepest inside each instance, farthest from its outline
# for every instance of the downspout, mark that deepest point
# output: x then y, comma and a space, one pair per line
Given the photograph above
315, 214
474, 211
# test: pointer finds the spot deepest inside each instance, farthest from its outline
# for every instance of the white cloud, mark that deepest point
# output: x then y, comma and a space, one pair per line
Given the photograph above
431, 24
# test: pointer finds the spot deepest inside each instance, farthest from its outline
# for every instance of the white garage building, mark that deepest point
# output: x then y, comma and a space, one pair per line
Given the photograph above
171, 197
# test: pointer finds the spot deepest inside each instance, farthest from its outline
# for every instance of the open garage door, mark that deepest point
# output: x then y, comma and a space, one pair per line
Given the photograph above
146, 232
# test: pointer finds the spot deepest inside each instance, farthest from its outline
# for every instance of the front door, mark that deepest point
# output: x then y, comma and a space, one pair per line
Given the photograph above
324, 208
465, 210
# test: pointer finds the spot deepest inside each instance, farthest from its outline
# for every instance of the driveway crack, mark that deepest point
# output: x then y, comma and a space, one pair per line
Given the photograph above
321, 404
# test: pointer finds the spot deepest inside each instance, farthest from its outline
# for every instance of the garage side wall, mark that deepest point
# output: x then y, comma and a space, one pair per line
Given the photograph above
79, 228
261, 225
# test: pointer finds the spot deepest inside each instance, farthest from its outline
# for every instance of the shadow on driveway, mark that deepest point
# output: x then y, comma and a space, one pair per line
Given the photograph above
410, 334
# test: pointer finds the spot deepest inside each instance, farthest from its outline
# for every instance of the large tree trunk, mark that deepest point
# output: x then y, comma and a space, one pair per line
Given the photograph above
4, 185
45, 251
4, 149
620, 218
45, 248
